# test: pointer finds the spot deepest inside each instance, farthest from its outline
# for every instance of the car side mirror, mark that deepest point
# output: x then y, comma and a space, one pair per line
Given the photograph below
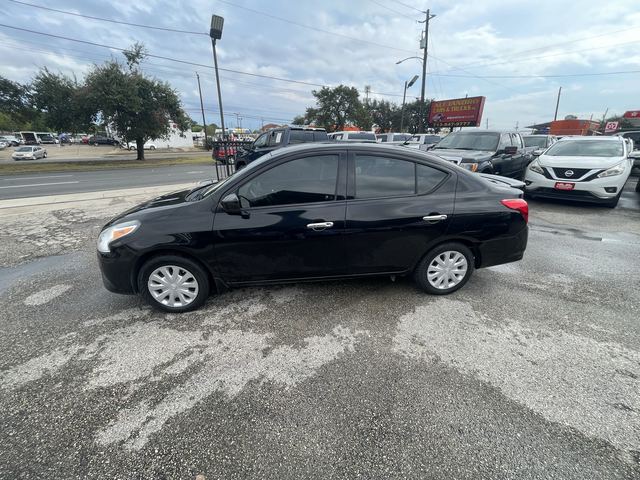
510, 150
538, 152
231, 204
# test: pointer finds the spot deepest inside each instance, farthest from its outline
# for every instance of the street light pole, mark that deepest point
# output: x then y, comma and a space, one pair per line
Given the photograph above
404, 96
407, 84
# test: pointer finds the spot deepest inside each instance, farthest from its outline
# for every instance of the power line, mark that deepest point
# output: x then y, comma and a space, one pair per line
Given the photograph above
597, 74
109, 19
310, 27
409, 6
394, 11
270, 77
546, 47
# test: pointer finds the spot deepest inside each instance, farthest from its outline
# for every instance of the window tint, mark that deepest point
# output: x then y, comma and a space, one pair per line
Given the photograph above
275, 138
261, 141
384, 177
299, 136
428, 178
304, 180
362, 136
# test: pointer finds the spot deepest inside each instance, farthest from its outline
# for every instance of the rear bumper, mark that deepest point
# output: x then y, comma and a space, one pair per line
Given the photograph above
503, 250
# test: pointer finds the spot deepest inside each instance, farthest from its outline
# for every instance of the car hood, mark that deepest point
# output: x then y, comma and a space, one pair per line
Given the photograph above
157, 205
459, 156
578, 162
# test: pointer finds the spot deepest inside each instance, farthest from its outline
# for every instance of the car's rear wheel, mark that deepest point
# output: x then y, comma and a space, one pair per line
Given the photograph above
173, 283
152, 147
445, 269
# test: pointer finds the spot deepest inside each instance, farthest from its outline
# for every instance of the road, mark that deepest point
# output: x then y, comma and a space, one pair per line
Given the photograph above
35, 185
88, 153
531, 371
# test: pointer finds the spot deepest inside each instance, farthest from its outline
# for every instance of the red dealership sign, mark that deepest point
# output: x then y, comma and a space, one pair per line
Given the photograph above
458, 112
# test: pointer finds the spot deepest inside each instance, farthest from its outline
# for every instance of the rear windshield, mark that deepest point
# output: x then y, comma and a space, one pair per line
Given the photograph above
361, 136
535, 141
586, 148
470, 141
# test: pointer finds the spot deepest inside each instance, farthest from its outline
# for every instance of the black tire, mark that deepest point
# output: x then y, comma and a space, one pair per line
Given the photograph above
420, 274
231, 160
638, 185
240, 165
44, 155
185, 263
152, 147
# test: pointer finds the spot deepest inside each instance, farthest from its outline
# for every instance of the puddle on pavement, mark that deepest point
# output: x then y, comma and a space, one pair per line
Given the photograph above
11, 275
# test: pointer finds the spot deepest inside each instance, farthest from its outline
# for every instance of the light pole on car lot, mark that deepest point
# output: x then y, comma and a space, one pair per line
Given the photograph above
404, 96
215, 32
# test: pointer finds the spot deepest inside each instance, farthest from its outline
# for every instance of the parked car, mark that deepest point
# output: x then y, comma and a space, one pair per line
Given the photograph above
29, 152
102, 140
147, 145
486, 151
315, 211
46, 137
423, 141
537, 144
353, 136
634, 136
589, 169
392, 137
3, 144
10, 140
277, 138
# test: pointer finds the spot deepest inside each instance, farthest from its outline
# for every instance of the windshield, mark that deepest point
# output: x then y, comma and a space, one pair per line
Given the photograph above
535, 141
470, 141
24, 149
586, 148
426, 138
361, 136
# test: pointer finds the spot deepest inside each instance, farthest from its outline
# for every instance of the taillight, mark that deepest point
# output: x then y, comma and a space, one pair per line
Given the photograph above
517, 204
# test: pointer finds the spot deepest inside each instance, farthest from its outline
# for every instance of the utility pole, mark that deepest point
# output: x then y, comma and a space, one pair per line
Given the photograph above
487, 123
555, 115
517, 124
425, 46
204, 122
367, 90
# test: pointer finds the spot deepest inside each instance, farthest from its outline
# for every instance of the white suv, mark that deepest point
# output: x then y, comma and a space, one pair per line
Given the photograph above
589, 169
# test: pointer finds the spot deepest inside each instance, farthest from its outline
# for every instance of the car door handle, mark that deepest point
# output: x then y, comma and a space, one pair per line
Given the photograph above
319, 225
434, 218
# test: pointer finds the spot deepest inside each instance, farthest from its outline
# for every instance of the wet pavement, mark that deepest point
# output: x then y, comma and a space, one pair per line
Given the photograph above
532, 370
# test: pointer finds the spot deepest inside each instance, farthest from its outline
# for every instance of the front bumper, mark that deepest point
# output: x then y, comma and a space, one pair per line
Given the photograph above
593, 191
117, 272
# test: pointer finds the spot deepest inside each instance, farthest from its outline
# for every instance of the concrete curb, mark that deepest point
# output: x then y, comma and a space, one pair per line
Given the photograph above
88, 196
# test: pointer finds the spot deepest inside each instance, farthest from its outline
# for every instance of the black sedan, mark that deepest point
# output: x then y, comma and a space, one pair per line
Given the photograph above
315, 211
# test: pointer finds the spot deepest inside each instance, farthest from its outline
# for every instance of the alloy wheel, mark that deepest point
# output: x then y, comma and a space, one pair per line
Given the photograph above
173, 286
447, 270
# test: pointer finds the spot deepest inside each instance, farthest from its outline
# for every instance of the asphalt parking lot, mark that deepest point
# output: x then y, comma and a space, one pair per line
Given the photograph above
532, 370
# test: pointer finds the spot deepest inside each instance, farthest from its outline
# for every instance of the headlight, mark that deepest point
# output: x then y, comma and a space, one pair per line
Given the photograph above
114, 232
615, 170
470, 166
535, 167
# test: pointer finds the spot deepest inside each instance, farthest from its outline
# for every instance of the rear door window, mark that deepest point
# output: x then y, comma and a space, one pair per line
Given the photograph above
428, 178
377, 176
300, 136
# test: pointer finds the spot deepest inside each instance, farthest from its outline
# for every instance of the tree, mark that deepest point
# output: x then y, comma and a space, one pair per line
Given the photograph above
16, 112
412, 114
60, 99
139, 108
385, 115
336, 107
298, 120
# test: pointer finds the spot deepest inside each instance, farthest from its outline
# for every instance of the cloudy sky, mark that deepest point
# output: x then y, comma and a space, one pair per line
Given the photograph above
516, 53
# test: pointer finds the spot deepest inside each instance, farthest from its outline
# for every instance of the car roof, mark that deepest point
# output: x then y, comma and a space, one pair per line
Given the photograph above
610, 138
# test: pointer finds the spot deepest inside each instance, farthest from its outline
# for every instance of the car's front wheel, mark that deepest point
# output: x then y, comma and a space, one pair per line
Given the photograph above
44, 155
173, 283
445, 269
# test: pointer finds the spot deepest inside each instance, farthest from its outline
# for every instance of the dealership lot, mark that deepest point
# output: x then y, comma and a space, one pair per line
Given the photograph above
531, 371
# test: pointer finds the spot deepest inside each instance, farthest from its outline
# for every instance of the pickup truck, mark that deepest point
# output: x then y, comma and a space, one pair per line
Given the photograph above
486, 151
277, 138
